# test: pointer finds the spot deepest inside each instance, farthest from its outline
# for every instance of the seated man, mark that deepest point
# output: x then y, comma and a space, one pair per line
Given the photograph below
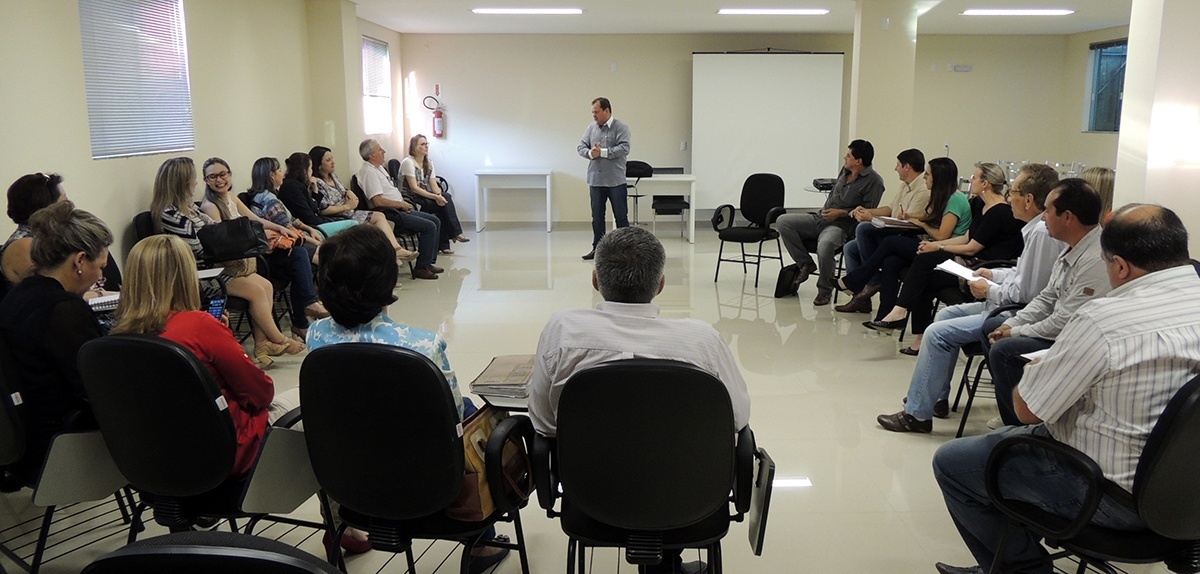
381, 191
961, 325
857, 186
1100, 389
628, 274
1072, 216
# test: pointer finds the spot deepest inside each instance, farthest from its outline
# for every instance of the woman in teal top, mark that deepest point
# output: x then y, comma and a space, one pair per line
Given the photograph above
947, 215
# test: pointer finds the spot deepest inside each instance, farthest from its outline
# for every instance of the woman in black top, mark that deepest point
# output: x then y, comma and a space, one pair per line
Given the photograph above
995, 235
44, 321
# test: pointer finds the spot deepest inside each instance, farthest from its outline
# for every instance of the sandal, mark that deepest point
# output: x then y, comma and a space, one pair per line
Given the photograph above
447, 251
403, 254
293, 347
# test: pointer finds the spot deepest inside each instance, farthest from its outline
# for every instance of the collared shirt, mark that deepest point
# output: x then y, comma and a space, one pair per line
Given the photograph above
1022, 283
912, 197
383, 330
866, 190
608, 170
580, 338
1105, 382
1079, 276
375, 180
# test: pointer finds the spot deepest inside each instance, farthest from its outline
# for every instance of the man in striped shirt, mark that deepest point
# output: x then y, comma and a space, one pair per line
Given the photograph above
1100, 389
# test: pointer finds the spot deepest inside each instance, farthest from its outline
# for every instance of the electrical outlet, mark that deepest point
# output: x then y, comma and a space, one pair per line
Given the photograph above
683, 145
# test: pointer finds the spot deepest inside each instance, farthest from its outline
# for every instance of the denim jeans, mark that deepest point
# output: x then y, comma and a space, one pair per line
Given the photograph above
1029, 476
866, 241
618, 196
955, 327
426, 226
294, 266
1007, 366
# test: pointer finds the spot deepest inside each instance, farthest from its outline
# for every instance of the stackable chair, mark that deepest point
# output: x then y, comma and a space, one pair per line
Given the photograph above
1165, 496
168, 428
207, 552
761, 204
385, 441
636, 170
645, 459
407, 239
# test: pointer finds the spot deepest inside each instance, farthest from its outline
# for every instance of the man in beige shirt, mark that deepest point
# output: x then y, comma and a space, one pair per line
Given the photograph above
911, 198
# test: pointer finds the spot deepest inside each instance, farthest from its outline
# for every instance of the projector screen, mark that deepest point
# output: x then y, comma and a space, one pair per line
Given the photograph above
767, 112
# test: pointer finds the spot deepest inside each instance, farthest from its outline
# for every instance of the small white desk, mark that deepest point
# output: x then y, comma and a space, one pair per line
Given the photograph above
490, 178
673, 184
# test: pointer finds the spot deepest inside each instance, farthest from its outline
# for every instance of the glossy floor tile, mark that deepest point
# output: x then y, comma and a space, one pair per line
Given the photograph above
817, 381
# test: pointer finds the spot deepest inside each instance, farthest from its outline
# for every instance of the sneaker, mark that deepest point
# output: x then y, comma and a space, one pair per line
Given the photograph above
995, 423
904, 422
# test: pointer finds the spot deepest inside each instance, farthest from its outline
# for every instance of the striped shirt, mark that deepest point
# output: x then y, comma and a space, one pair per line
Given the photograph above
1079, 275
1120, 359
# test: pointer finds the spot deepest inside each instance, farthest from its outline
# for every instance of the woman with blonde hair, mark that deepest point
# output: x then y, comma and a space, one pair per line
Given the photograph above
1102, 180
162, 297
420, 186
174, 213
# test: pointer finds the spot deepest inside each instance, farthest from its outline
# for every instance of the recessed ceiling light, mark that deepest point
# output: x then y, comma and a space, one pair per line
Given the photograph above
773, 11
1016, 12
529, 11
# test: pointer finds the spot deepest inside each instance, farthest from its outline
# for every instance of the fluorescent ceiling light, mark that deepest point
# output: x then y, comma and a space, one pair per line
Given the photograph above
798, 482
1016, 12
773, 11
529, 11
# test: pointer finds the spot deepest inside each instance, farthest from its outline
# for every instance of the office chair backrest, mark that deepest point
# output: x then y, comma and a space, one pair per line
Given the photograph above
1167, 483
143, 225
12, 419
760, 193
162, 415
393, 169
645, 444
205, 552
382, 429
363, 202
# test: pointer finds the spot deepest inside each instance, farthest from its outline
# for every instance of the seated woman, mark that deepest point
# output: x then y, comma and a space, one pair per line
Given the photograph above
1101, 180
294, 265
162, 297
948, 214
265, 178
419, 186
334, 200
994, 235
355, 279
174, 213
44, 321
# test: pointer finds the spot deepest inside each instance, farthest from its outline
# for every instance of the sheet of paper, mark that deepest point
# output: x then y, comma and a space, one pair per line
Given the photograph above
955, 268
1036, 355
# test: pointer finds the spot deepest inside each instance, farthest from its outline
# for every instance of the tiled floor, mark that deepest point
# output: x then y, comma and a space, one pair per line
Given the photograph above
817, 380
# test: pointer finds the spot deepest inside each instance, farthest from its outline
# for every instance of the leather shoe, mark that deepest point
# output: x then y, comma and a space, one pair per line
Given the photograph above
885, 327
943, 568
821, 300
480, 564
941, 408
423, 273
904, 422
855, 305
435, 268
697, 567
806, 269
909, 351
590, 255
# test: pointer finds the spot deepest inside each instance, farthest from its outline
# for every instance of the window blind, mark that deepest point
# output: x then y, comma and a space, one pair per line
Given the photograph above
377, 86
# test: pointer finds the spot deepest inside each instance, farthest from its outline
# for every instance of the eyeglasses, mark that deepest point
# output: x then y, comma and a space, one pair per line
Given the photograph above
216, 176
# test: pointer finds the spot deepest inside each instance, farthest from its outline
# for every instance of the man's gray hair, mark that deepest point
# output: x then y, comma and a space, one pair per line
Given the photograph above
629, 265
367, 147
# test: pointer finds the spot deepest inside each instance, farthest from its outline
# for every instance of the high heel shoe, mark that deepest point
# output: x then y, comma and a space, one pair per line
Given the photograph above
885, 327
316, 311
263, 359
405, 255
293, 347
299, 334
461, 238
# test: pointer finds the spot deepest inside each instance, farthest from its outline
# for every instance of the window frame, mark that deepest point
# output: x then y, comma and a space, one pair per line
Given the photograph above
1096, 102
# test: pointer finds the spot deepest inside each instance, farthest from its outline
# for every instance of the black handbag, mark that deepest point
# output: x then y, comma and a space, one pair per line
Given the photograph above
786, 285
236, 238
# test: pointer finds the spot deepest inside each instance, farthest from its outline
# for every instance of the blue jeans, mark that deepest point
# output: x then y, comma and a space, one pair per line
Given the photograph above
295, 266
426, 226
1028, 476
618, 196
955, 327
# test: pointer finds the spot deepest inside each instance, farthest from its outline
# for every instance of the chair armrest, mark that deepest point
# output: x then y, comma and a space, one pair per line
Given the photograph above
994, 264
743, 470
544, 477
1045, 523
1005, 309
723, 214
774, 214
518, 429
289, 419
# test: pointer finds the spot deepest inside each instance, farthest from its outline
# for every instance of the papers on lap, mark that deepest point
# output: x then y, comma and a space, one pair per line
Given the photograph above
883, 222
506, 376
955, 268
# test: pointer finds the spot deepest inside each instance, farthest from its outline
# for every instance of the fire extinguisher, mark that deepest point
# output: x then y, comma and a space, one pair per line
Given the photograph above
439, 118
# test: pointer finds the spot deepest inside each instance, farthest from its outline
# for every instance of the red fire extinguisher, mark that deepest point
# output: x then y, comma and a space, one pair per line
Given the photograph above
439, 118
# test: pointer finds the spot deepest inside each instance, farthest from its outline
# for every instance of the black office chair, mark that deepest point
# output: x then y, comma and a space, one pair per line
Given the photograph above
383, 435
208, 552
169, 430
77, 468
761, 205
670, 205
646, 460
1164, 495
636, 170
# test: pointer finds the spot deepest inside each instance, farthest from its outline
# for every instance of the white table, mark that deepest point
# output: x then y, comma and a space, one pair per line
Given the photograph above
492, 178
673, 184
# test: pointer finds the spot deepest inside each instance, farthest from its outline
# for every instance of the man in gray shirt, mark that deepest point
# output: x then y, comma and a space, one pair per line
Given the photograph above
605, 145
858, 185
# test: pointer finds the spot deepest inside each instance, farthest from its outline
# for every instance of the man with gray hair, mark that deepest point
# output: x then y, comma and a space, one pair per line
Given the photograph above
381, 191
628, 274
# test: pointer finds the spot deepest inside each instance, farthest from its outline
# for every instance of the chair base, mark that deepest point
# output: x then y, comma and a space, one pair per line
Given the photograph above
749, 259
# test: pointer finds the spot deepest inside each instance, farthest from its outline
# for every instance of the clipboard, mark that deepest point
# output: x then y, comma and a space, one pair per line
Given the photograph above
760, 500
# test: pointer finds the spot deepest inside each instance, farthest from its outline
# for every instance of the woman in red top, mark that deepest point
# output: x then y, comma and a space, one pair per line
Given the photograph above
161, 296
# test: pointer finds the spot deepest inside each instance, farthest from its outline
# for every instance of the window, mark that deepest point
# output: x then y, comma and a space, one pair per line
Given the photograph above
1107, 86
377, 87
135, 67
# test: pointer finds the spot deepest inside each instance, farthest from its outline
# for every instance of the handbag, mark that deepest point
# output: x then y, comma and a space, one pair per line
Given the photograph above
474, 501
786, 285
236, 238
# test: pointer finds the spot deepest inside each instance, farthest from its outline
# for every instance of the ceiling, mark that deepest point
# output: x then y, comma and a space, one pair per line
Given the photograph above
700, 16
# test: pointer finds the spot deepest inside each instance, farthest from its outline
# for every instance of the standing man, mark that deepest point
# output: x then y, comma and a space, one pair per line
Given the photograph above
381, 191
605, 144
858, 185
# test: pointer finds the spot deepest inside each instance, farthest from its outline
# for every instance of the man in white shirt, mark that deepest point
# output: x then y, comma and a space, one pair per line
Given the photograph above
381, 191
628, 274
1100, 389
